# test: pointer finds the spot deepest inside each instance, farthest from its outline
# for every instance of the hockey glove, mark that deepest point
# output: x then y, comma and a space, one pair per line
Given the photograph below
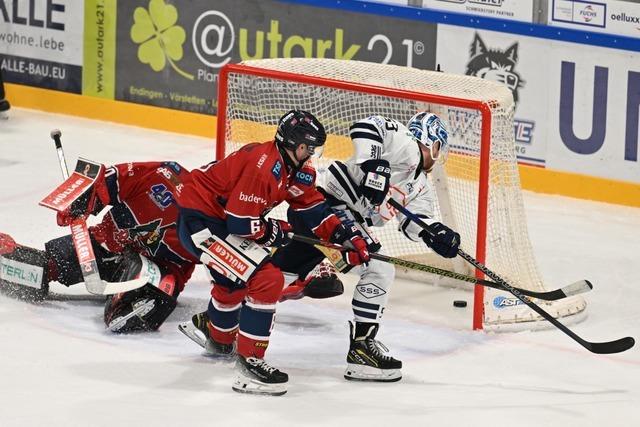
444, 241
348, 235
375, 184
89, 202
275, 233
358, 252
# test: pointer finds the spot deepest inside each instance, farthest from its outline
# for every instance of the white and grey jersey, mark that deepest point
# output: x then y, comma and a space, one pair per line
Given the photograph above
378, 137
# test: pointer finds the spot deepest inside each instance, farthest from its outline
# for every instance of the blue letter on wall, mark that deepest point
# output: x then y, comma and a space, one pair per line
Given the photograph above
599, 117
633, 103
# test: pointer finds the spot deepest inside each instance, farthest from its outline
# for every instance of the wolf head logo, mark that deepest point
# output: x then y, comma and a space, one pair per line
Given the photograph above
495, 64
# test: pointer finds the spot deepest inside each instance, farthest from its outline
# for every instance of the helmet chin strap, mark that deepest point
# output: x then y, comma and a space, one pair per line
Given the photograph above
288, 161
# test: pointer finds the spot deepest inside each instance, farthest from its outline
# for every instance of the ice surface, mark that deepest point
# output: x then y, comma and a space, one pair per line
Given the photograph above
59, 367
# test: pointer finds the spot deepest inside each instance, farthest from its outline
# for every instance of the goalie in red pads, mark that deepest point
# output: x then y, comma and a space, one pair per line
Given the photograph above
223, 222
136, 238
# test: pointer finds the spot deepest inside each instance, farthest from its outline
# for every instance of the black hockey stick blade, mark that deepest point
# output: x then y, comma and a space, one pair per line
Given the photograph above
610, 347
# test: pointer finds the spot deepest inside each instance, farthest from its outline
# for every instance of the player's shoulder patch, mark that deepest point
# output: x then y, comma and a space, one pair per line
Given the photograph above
276, 170
379, 122
304, 177
173, 166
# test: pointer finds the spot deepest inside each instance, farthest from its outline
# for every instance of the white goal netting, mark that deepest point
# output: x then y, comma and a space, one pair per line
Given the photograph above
479, 196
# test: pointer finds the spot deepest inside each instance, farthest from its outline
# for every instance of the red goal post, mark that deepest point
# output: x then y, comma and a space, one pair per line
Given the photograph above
477, 191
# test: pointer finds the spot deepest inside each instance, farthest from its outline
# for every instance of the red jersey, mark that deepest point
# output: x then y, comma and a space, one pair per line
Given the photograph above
143, 215
243, 187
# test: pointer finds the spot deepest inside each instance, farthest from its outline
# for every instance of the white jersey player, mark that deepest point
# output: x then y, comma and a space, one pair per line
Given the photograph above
390, 160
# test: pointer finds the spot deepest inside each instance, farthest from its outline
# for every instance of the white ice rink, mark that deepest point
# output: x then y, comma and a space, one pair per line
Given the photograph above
58, 366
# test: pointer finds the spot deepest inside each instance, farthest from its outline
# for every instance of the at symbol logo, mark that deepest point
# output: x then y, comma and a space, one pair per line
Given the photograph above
213, 38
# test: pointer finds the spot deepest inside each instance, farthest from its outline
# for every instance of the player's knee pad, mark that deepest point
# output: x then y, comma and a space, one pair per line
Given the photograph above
372, 291
265, 285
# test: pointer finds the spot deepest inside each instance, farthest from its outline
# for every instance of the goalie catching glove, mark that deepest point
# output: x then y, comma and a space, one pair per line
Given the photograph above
375, 184
443, 240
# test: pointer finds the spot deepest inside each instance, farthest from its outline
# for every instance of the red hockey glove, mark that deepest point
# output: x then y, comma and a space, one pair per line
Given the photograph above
275, 233
359, 254
86, 203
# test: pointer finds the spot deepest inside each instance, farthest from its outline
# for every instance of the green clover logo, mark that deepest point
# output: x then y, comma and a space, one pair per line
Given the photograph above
159, 38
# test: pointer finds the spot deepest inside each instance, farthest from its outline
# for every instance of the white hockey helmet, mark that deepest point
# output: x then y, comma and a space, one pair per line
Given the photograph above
430, 131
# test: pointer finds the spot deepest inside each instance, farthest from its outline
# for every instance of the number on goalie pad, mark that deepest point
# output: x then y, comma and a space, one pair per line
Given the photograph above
233, 257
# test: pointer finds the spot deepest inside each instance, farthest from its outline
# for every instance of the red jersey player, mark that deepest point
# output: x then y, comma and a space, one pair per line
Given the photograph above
141, 223
222, 222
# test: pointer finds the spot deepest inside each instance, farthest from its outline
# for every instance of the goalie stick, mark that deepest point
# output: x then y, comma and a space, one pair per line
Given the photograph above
573, 289
80, 235
607, 347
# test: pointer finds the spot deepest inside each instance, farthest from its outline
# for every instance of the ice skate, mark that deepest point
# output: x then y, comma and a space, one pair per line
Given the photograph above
367, 359
198, 331
255, 376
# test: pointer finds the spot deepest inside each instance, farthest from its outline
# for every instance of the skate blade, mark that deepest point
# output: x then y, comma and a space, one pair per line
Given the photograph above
369, 373
243, 384
193, 333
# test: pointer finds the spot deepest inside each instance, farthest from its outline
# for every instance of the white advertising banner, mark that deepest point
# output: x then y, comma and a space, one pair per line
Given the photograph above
577, 106
606, 16
510, 59
594, 99
41, 43
49, 30
518, 10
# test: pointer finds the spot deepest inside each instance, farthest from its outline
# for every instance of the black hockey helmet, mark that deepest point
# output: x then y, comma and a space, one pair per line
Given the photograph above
299, 127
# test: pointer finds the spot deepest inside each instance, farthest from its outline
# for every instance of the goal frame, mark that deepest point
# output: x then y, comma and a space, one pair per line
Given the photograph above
483, 107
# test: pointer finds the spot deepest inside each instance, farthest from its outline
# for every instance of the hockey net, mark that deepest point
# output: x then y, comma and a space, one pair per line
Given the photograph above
478, 190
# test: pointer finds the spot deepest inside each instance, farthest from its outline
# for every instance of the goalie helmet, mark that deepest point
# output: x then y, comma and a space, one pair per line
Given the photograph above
300, 127
428, 129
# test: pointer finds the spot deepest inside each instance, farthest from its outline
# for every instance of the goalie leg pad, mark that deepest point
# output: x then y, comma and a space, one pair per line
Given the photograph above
65, 267
143, 309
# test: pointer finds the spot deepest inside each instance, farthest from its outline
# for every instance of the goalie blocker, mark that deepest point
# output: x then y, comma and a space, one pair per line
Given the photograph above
25, 273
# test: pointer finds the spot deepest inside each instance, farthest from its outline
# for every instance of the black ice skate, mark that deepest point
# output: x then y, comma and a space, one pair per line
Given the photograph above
366, 359
198, 331
255, 376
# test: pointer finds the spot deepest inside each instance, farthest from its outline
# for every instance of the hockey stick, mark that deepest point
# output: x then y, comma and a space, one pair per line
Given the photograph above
573, 289
82, 244
607, 347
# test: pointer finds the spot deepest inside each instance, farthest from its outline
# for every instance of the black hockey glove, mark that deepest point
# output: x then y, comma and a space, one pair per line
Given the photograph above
275, 233
445, 242
375, 185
